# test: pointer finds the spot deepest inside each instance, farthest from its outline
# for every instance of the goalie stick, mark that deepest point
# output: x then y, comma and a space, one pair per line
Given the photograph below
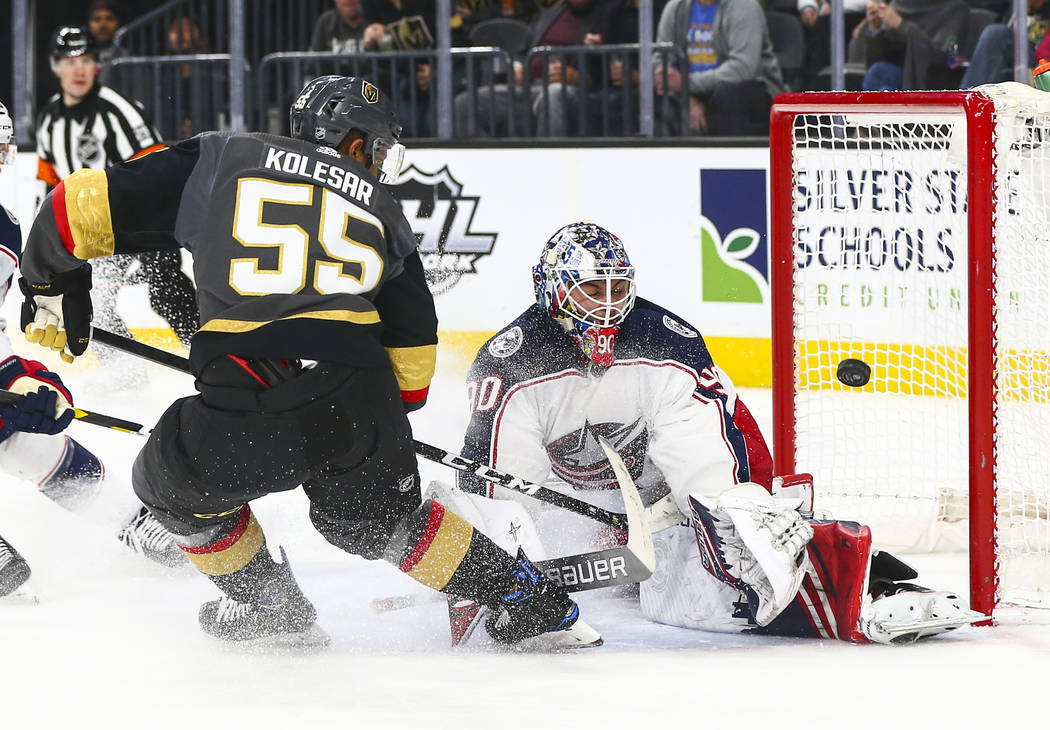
663, 513
631, 563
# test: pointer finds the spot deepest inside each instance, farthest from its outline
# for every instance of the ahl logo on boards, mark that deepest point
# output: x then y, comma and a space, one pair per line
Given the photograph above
441, 217
734, 240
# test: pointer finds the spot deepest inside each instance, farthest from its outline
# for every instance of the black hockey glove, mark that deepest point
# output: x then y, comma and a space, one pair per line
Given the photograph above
57, 314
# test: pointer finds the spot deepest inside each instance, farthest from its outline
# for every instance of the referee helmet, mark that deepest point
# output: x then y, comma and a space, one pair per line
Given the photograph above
329, 107
71, 40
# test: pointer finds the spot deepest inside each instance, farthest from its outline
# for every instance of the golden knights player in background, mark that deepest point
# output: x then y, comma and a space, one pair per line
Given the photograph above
299, 255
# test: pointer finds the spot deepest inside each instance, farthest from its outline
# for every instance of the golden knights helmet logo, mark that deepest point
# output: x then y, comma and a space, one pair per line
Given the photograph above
369, 92
441, 216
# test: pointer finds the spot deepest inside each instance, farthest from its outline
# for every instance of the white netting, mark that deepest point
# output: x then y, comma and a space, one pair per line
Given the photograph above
881, 249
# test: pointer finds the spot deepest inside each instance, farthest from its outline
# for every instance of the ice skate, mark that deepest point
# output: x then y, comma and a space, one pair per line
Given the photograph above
14, 570
911, 613
281, 616
535, 613
146, 536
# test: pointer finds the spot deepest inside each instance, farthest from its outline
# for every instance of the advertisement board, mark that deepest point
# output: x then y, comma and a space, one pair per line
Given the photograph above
694, 220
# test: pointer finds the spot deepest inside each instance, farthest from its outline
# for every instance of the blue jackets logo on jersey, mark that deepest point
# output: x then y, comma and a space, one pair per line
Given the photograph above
734, 236
441, 217
579, 459
507, 343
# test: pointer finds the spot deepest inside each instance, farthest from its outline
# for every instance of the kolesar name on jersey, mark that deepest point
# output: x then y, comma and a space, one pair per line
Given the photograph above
323, 172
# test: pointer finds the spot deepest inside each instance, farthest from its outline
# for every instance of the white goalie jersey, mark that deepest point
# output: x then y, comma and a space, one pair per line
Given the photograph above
538, 407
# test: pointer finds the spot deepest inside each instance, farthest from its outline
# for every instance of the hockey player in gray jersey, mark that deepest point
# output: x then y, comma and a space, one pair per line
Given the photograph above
300, 254
592, 360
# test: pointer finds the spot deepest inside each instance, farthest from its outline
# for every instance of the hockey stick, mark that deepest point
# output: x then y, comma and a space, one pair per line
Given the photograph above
141, 349
631, 563
660, 515
575, 573
95, 419
663, 513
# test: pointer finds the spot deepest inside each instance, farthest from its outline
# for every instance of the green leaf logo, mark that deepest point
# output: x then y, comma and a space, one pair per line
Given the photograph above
726, 276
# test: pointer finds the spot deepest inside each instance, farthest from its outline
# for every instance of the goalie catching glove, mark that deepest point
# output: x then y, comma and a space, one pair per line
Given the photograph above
747, 542
57, 314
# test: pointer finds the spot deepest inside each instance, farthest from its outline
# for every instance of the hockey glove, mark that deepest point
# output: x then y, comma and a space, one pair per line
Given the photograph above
57, 314
45, 405
747, 542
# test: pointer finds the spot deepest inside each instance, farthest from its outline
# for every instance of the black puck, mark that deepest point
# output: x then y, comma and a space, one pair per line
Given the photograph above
854, 373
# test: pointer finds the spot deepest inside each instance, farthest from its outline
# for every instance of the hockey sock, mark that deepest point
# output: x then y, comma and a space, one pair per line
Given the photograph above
236, 560
441, 550
76, 478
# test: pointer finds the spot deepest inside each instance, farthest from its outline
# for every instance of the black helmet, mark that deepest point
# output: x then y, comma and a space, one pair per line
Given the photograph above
71, 40
330, 106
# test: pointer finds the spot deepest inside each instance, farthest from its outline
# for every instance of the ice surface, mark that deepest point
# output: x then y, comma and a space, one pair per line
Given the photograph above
114, 642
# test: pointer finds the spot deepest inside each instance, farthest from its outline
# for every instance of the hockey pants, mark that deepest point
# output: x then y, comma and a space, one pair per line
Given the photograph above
340, 432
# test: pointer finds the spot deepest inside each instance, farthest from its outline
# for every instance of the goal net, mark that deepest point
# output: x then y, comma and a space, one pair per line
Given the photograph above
911, 231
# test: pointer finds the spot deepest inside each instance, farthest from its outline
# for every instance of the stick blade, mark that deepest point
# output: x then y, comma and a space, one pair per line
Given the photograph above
639, 534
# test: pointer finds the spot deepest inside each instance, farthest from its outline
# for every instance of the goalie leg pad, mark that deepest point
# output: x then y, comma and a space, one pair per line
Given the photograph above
829, 602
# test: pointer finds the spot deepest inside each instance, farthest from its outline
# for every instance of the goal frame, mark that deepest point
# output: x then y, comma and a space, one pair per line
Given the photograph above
980, 125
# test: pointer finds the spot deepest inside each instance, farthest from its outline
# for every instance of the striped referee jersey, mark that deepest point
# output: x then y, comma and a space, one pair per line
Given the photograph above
102, 130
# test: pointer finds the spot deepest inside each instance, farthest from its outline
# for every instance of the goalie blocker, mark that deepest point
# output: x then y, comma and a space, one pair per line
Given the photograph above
814, 578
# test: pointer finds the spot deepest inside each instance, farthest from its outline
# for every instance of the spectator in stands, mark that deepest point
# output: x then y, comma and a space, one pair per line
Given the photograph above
406, 25
612, 110
342, 29
905, 44
472, 12
198, 89
815, 16
732, 73
993, 57
184, 35
552, 85
104, 20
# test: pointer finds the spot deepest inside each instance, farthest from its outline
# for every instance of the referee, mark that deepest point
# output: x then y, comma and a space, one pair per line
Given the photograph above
89, 125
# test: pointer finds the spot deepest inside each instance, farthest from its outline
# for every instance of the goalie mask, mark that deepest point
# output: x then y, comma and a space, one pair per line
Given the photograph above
7, 131
585, 281
329, 107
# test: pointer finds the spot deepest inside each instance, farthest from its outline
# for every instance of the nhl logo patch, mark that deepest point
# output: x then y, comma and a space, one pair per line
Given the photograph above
679, 328
369, 92
507, 343
89, 150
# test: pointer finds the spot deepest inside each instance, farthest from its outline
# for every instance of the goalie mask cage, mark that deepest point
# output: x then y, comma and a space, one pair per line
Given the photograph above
910, 231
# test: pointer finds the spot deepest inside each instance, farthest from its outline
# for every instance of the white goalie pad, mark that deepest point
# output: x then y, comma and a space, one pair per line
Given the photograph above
745, 540
910, 615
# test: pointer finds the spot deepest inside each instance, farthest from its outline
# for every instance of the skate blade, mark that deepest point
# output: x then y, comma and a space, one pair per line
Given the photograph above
21, 596
312, 638
579, 636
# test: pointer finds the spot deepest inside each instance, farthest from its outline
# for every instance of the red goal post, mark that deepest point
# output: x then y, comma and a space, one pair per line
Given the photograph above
911, 230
